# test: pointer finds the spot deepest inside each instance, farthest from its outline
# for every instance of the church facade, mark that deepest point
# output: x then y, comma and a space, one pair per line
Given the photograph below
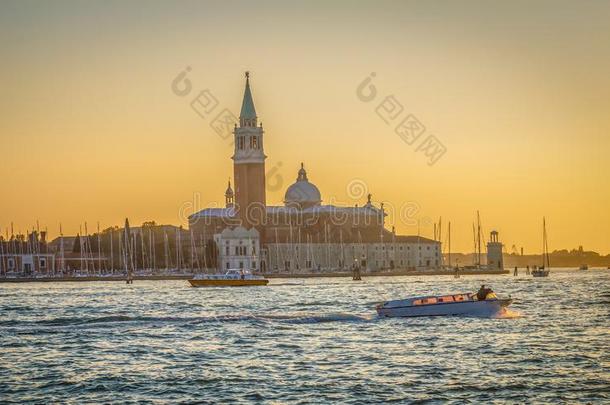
303, 235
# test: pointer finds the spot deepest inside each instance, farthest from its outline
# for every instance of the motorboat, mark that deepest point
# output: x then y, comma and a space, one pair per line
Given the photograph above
584, 267
232, 278
444, 305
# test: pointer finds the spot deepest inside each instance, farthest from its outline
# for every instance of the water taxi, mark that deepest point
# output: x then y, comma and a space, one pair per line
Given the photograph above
232, 278
444, 305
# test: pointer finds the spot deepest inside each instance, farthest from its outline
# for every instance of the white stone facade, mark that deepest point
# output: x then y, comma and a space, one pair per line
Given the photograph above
294, 257
238, 248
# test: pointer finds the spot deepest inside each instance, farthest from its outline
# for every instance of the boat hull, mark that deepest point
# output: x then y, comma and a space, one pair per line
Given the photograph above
486, 307
227, 283
540, 273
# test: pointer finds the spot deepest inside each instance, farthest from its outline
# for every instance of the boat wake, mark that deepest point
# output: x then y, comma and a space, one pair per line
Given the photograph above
105, 321
506, 313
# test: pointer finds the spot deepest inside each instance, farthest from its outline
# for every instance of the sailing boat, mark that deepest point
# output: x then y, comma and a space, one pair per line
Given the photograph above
543, 271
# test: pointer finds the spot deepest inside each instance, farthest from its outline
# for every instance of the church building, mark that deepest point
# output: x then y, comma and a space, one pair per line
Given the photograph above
303, 235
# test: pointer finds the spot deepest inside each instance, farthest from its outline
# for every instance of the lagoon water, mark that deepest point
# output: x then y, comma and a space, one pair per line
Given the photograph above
303, 341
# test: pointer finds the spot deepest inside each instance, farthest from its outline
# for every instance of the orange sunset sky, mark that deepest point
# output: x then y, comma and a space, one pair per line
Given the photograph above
518, 93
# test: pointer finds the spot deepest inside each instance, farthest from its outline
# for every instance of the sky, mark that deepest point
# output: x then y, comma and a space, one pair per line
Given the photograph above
516, 93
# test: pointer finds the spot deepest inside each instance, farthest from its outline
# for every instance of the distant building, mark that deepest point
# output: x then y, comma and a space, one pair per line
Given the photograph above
26, 255
27, 264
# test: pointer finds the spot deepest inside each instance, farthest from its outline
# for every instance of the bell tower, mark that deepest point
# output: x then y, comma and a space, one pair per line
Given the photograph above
249, 165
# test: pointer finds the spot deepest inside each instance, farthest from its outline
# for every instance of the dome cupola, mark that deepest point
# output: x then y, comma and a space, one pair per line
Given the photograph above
302, 193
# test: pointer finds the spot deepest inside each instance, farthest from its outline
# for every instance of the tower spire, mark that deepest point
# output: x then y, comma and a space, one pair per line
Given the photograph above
247, 116
302, 175
229, 196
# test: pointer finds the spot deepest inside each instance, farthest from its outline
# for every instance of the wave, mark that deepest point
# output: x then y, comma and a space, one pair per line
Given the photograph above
120, 319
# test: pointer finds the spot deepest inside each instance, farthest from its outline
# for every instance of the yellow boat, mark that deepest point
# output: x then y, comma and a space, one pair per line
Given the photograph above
232, 278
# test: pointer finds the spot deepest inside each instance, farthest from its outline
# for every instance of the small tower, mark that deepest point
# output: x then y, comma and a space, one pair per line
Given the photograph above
494, 252
229, 196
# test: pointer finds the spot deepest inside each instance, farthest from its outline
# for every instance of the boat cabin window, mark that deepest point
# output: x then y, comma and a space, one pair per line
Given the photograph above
425, 301
448, 298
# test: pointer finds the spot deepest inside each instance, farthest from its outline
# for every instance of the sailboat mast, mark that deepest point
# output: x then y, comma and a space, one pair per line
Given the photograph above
151, 258
61, 249
111, 251
205, 250
327, 245
342, 248
474, 241
154, 251
546, 245
277, 251
478, 238
165, 249
80, 245
202, 241
543, 240
449, 243
440, 228
99, 249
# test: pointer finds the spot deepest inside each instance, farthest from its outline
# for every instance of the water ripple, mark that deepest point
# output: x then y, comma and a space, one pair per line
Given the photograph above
310, 341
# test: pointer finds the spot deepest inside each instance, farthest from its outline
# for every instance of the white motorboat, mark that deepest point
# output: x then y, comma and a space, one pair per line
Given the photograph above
444, 305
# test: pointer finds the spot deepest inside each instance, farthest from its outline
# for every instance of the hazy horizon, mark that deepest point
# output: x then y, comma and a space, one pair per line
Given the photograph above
518, 93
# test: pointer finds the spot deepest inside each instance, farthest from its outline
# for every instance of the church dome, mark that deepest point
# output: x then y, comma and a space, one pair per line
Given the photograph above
302, 192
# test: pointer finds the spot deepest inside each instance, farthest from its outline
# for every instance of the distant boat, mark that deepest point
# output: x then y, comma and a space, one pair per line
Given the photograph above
543, 271
584, 267
232, 278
